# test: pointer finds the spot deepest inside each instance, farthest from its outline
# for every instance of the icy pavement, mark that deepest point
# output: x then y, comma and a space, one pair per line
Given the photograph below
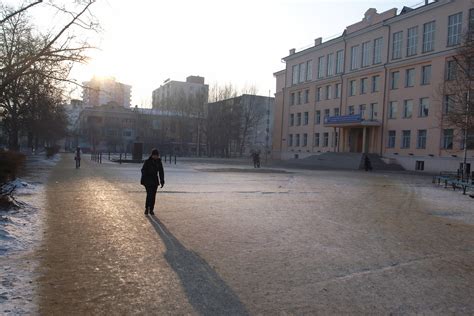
20, 234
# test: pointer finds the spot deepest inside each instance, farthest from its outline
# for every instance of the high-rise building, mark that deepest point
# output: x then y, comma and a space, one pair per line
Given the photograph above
103, 90
173, 92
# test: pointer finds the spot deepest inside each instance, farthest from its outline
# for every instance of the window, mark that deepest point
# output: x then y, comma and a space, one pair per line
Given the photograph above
454, 29
309, 70
321, 67
373, 111
318, 94
330, 65
428, 37
290, 140
354, 57
317, 119
326, 114
336, 111
298, 119
394, 79
350, 110
305, 140
305, 118
352, 88
419, 165
298, 98
328, 92
447, 139
392, 135
451, 68
339, 61
426, 75
292, 98
297, 140
363, 86
316, 140
375, 84
362, 110
302, 72
292, 119
306, 96
424, 107
470, 139
410, 77
392, 110
407, 108
421, 139
295, 74
397, 45
338, 90
365, 54
412, 40
448, 103
406, 139
378, 45
325, 139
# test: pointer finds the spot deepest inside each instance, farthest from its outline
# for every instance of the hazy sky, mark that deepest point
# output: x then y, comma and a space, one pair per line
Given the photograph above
144, 42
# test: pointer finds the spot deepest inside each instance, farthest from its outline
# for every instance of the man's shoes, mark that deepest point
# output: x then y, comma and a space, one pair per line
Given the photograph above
152, 213
146, 211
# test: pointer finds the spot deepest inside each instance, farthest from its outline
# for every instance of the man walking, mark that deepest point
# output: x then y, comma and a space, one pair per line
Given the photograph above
152, 168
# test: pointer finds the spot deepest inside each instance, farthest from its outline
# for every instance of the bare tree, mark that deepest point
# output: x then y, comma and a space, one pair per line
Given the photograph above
252, 115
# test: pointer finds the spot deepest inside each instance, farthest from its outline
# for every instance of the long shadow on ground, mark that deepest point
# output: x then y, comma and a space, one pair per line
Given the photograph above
206, 291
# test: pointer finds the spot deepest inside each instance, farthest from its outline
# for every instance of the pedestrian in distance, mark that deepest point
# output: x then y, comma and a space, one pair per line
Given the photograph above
152, 176
367, 164
77, 157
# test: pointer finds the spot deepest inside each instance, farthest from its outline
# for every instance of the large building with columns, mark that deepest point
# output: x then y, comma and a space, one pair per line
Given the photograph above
375, 89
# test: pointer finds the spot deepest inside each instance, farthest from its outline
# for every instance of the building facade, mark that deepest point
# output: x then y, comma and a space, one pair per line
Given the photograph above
171, 93
375, 89
103, 90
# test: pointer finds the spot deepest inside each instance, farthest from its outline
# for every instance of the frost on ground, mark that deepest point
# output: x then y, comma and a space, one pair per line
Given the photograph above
20, 223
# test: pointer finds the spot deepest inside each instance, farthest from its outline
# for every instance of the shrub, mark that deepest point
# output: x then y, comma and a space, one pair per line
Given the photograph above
10, 163
51, 151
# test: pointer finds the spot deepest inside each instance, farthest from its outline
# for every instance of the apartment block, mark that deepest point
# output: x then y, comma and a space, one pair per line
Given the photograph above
172, 92
103, 90
376, 89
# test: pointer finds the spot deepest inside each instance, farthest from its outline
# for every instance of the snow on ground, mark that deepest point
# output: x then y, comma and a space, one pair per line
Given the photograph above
20, 233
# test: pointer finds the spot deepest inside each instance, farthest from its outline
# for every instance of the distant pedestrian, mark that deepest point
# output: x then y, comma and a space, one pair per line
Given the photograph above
367, 164
77, 157
152, 176
256, 159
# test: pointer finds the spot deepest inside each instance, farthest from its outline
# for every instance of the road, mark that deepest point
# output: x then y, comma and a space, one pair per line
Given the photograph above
229, 241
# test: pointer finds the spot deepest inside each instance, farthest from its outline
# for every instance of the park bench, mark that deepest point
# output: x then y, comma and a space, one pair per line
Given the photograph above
464, 185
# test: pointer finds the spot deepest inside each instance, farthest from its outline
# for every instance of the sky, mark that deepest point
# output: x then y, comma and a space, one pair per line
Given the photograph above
144, 42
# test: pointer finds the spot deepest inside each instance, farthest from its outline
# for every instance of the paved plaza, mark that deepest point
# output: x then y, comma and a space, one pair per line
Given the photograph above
231, 240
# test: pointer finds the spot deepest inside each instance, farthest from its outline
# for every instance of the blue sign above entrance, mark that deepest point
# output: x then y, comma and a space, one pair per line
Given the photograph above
343, 119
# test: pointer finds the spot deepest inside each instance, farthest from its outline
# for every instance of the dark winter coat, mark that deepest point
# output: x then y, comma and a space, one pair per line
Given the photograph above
150, 171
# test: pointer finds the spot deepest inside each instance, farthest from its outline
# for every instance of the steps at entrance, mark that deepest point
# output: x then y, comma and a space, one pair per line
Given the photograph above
378, 164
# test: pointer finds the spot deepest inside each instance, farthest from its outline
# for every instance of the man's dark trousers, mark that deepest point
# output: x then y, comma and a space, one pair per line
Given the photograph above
150, 196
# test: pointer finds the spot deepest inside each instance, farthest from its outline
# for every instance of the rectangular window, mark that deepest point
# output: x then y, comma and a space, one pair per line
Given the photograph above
355, 57
419, 165
309, 70
421, 139
451, 68
394, 79
424, 107
447, 139
397, 45
412, 40
375, 84
363, 86
295, 74
426, 75
448, 104
292, 119
297, 140
454, 29
470, 139
362, 110
339, 61
338, 90
306, 118
407, 108
428, 37
306, 96
316, 140
406, 135
298, 119
292, 98
350, 110
326, 114
318, 94
298, 98
410, 77
365, 54
373, 111
317, 119
305, 140
330, 65
328, 92
290, 140
302, 72
325, 139
336, 111
392, 136
392, 110
378, 45
352, 88
321, 67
